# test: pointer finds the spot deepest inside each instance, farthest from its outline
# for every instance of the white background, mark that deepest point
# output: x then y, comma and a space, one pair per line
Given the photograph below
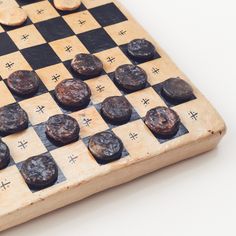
195, 197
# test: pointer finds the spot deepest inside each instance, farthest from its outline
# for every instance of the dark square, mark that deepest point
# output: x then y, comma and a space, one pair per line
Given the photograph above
96, 40
26, 2
124, 49
182, 131
112, 77
61, 178
168, 102
54, 29
42, 89
108, 14
68, 66
7, 45
40, 56
134, 116
9, 28
124, 152
63, 13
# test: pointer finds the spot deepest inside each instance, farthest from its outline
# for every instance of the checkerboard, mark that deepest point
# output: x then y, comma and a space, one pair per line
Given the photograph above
46, 43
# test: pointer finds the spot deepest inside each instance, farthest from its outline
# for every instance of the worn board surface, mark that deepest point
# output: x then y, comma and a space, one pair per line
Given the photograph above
46, 44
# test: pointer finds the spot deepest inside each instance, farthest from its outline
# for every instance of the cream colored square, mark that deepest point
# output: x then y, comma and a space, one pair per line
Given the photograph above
138, 139
15, 190
81, 22
90, 122
8, 3
160, 70
6, 96
112, 59
40, 11
52, 75
1, 29
124, 32
27, 36
75, 161
67, 48
144, 100
102, 87
24, 144
17, 62
92, 3
33, 105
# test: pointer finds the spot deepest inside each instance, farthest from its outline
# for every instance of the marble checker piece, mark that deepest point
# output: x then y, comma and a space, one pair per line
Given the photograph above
46, 43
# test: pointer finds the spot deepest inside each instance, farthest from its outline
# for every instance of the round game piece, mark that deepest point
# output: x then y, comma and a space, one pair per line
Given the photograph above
87, 65
177, 89
117, 110
73, 93
105, 147
163, 121
23, 82
130, 78
39, 172
62, 129
12, 16
141, 49
67, 5
4, 155
12, 119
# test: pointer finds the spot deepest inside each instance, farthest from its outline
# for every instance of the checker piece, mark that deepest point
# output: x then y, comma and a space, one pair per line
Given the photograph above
4, 155
67, 5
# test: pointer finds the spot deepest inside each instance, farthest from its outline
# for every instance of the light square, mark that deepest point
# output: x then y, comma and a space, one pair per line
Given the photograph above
40, 11
144, 100
75, 161
81, 22
24, 144
67, 48
112, 58
52, 75
90, 122
92, 3
102, 87
138, 139
124, 32
27, 36
12, 62
40, 108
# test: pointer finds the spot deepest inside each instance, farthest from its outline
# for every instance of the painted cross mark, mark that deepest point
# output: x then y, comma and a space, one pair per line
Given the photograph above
145, 101
56, 77
72, 159
40, 109
9, 65
87, 122
40, 11
100, 88
68, 48
122, 32
133, 136
155, 70
22, 144
81, 22
4, 185
111, 59
193, 115
24, 37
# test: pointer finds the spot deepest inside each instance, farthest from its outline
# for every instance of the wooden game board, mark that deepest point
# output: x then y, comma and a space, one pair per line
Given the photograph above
46, 44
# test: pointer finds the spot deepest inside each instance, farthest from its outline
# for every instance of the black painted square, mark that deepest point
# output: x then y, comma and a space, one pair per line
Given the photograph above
26, 2
54, 29
108, 14
9, 28
40, 56
6, 44
96, 40
124, 49
169, 103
